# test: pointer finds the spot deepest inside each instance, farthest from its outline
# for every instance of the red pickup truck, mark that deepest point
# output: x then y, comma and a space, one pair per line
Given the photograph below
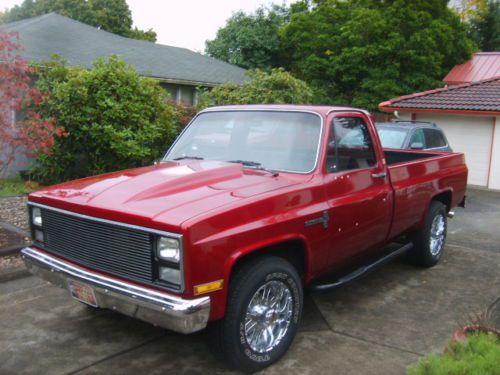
250, 205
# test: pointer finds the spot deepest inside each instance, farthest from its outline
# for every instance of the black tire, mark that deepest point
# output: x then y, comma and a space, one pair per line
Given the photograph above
229, 336
424, 254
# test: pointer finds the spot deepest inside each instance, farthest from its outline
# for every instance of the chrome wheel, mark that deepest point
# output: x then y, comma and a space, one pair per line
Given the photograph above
268, 316
438, 233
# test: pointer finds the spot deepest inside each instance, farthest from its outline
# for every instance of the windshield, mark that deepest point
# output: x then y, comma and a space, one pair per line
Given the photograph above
279, 141
392, 137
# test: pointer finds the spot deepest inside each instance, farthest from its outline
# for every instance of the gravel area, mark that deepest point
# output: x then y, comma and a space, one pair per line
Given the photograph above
8, 239
11, 262
13, 211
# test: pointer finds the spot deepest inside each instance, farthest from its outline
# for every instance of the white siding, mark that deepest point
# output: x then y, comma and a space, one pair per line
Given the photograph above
495, 158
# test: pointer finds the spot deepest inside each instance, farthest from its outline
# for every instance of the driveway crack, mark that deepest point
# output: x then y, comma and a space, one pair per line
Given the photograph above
363, 339
117, 354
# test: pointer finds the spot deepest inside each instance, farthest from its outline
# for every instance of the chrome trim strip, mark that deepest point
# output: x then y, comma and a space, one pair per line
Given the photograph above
130, 226
220, 109
348, 109
106, 221
193, 313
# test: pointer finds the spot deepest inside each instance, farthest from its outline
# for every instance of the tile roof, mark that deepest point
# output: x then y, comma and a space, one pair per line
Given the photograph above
81, 44
481, 97
482, 65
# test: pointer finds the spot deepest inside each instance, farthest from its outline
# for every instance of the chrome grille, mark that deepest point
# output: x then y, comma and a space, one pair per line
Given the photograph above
100, 246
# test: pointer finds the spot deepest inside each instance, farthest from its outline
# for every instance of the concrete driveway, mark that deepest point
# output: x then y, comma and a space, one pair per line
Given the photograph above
377, 325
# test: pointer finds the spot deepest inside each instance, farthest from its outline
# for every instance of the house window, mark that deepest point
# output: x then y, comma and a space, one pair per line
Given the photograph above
181, 93
186, 94
171, 89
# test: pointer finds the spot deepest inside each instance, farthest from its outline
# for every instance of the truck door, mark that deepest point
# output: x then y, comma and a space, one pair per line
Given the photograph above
357, 187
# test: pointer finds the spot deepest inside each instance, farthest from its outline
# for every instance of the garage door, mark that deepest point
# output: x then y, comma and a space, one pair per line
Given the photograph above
471, 135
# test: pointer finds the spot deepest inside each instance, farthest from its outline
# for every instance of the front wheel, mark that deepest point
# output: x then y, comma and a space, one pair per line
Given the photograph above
264, 308
430, 239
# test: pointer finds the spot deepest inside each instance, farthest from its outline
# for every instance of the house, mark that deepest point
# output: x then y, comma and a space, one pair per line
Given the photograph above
468, 110
179, 70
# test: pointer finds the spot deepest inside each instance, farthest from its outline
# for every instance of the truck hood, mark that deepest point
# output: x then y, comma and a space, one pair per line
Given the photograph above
164, 194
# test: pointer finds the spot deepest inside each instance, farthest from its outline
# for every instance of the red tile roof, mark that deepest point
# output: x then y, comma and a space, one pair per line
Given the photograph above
481, 98
482, 65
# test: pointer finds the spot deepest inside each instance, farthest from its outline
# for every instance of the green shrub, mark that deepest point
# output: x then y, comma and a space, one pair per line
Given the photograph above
114, 119
479, 355
16, 186
277, 87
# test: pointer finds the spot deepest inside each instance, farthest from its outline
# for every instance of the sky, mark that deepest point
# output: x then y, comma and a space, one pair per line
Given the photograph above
182, 23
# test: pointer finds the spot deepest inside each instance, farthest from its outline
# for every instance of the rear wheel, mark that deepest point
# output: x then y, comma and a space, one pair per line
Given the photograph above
429, 241
263, 312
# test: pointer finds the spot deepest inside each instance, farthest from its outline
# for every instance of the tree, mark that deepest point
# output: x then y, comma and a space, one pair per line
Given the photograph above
485, 27
115, 118
31, 134
276, 87
110, 15
470, 9
361, 52
250, 40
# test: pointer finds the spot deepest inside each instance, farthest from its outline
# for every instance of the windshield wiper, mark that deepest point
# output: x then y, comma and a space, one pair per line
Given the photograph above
255, 165
246, 163
189, 157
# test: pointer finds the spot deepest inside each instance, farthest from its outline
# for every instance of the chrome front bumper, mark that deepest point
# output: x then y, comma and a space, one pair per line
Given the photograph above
165, 310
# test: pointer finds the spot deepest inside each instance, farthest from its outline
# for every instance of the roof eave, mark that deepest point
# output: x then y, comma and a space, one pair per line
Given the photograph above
182, 81
385, 107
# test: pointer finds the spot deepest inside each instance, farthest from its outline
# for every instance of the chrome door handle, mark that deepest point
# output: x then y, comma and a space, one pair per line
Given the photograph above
379, 175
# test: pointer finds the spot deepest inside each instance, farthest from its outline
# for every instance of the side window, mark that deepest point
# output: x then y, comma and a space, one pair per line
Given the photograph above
350, 146
434, 138
418, 137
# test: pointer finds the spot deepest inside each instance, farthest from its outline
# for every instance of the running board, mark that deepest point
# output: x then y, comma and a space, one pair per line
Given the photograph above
363, 270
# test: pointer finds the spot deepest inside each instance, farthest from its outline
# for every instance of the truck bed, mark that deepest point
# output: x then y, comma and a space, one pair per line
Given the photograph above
401, 156
416, 176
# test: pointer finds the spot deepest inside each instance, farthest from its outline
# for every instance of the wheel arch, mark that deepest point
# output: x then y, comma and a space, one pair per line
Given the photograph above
444, 197
292, 248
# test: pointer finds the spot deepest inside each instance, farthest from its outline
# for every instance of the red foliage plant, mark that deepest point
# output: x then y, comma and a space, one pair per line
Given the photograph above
183, 113
32, 134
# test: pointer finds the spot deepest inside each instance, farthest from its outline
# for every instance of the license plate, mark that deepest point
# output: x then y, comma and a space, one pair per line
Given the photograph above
82, 293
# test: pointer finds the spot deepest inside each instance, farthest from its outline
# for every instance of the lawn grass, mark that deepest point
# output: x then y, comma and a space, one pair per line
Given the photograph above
16, 186
479, 355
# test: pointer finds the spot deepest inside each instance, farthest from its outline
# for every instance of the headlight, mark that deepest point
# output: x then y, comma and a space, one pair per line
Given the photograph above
36, 216
170, 275
169, 249
39, 237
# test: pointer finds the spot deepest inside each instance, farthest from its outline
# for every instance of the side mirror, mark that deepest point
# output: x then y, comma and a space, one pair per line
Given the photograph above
417, 146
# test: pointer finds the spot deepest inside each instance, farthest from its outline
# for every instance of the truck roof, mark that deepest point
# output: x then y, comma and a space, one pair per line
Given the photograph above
320, 109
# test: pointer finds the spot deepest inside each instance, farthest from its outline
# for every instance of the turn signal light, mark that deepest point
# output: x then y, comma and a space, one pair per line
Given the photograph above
208, 287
